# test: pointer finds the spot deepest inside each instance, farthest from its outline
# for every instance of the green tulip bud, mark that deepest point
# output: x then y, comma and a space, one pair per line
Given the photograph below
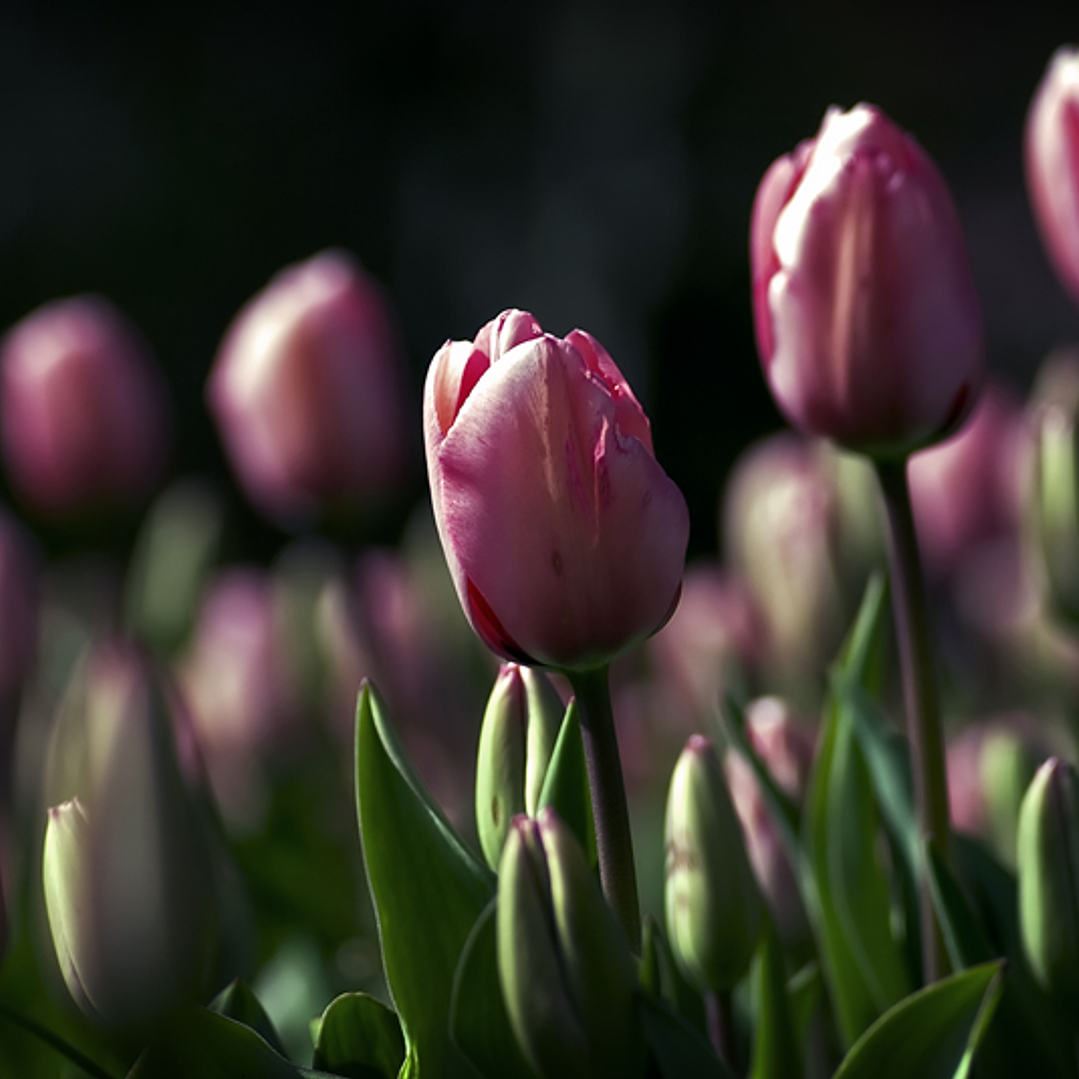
714, 907
520, 727
1048, 869
128, 876
567, 974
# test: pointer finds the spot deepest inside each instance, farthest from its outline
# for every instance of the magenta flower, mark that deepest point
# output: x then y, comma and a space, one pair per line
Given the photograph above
1051, 145
867, 321
306, 390
84, 417
564, 537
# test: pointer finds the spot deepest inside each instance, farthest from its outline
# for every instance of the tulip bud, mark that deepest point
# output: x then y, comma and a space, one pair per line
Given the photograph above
1056, 486
83, 414
1051, 152
1048, 869
567, 975
867, 320
712, 900
520, 727
306, 390
564, 537
129, 884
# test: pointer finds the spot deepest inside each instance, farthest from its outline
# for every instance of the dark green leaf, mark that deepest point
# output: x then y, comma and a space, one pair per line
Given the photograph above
931, 1034
679, 1050
960, 923
478, 1019
238, 1001
776, 1053
428, 890
359, 1037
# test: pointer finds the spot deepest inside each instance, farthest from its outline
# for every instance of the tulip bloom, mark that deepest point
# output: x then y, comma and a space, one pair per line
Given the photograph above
867, 321
564, 537
83, 413
306, 390
1051, 145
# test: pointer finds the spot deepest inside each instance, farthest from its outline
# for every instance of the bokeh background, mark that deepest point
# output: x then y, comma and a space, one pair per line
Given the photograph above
594, 163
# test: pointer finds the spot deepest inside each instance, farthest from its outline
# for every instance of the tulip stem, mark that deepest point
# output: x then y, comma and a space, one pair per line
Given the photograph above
719, 1018
919, 692
614, 842
54, 1041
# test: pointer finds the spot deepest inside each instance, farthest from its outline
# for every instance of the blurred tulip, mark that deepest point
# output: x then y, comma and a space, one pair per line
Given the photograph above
713, 905
787, 536
1048, 869
867, 320
520, 727
567, 974
564, 536
971, 490
128, 877
307, 391
83, 417
1051, 152
237, 680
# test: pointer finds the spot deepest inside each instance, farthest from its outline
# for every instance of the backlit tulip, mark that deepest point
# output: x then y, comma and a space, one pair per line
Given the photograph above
867, 321
564, 537
1051, 147
306, 390
83, 414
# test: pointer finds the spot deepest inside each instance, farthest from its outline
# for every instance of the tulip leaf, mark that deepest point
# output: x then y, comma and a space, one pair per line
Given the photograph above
678, 1049
238, 1001
212, 1046
428, 890
660, 976
960, 923
776, 1054
848, 899
360, 1038
479, 1022
933, 1033
565, 784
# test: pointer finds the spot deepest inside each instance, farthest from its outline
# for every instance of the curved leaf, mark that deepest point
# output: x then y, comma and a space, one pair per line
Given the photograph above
360, 1038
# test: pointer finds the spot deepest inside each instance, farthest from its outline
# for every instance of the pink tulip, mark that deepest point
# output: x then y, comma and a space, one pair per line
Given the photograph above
306, 390
83, 417
1052, 163
564, 537
867, 321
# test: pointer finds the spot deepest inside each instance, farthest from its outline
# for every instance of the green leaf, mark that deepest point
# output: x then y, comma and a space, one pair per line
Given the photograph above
932, 1034
359, 1037
960, 923
238, 1001
428, 890
212, 1046
847, 898
565, 784
478, 1019
678, 1049
776, 1053
660, 976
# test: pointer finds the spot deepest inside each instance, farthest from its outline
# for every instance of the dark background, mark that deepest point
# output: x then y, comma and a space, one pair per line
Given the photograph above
593, 163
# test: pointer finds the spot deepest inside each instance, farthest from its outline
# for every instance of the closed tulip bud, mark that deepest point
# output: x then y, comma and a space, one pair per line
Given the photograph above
1055, 412
567, 975
714, 908
83, 413
307, 391
564, 537
129, 882
867, 320
1048, 869
1051, 151
520, 727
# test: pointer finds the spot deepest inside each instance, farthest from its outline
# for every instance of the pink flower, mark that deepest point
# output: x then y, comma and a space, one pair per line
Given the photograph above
84, 417
867, 321
1051, 146
306, 390
564, 537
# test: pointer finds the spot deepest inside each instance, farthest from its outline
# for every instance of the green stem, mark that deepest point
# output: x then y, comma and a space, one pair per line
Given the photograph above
614, 843
54, 1041
919, 692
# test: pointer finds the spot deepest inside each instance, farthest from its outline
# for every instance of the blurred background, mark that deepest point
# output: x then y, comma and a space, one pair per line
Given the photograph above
592, 163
